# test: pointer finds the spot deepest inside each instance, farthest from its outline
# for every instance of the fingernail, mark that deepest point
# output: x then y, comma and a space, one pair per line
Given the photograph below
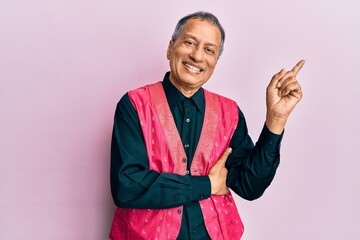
229, 150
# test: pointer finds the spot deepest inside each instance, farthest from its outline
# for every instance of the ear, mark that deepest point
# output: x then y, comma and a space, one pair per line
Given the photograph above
168, 53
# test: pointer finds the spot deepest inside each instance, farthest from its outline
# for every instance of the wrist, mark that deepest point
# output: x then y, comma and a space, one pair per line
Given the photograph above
275, 124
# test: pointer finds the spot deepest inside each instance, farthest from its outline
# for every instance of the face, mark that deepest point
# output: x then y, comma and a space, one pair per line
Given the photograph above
194, 54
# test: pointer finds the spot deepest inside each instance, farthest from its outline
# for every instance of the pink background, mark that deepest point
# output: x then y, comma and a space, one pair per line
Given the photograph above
65, 64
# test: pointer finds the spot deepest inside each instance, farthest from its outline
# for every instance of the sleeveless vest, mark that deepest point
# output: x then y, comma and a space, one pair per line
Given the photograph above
166, 154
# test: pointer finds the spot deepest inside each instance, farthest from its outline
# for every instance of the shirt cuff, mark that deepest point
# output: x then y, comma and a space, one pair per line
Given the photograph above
201, 187
270, 141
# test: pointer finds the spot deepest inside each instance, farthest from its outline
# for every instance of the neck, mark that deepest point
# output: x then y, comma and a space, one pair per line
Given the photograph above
186, 91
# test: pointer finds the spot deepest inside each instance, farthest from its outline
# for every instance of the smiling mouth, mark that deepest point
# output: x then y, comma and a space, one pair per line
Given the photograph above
192, 68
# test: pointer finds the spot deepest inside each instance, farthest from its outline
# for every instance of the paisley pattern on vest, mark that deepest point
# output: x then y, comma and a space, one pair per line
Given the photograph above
166, 154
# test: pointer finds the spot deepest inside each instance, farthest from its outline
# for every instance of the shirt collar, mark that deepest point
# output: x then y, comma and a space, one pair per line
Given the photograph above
174, 96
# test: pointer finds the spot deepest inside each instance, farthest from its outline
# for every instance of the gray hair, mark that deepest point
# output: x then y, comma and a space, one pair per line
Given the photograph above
205, 16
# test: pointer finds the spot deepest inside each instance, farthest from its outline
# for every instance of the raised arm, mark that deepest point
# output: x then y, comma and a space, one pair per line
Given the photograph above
252, 168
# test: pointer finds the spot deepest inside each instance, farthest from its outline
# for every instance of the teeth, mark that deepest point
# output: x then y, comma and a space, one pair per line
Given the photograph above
193, 68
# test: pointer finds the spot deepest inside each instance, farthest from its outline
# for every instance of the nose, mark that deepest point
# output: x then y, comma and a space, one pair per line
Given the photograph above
197, 54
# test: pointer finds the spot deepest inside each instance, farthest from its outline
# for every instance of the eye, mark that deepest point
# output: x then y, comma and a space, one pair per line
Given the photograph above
210, 50
190, 43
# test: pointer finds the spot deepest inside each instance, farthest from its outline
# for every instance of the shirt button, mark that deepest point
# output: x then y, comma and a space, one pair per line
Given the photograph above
187, 172
179, 211
188, 120
184, 160
187, 145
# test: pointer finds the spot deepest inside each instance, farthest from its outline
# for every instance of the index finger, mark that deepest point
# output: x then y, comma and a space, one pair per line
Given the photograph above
297, 67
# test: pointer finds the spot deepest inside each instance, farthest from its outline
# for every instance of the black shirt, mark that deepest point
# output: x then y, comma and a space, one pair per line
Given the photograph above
133, 185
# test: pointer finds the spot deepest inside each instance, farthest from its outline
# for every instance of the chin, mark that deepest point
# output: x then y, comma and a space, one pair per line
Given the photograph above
192, 81
191, 77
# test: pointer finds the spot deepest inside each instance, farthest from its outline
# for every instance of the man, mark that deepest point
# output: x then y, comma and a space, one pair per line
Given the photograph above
177, 148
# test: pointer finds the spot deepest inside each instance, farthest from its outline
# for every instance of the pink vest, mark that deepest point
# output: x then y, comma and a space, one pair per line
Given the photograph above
166, 154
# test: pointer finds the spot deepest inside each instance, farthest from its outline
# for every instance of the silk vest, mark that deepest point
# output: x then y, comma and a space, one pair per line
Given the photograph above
166, 154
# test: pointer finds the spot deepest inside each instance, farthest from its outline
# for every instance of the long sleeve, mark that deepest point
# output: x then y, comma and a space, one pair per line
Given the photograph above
133, 184
252, 168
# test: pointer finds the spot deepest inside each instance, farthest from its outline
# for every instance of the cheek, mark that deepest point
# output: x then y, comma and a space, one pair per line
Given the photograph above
211, 65
175, 57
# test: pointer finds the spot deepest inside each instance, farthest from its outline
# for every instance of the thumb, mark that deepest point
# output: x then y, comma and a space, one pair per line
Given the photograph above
228, 151
225, 155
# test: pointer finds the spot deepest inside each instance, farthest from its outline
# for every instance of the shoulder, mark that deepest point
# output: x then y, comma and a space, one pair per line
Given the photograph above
141, 96
126, 106
227, 102
145, 89
222, 98
126, 102
218, 96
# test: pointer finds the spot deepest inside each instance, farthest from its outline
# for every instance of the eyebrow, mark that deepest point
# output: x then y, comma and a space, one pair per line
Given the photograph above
188, 35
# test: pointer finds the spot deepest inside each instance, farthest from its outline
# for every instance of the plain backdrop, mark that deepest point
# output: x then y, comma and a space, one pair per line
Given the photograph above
64, 64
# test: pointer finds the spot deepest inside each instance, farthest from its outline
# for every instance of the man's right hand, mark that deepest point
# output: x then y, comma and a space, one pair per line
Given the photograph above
218, 174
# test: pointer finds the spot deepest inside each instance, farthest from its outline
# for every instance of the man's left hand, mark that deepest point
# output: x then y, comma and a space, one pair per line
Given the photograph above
282, 95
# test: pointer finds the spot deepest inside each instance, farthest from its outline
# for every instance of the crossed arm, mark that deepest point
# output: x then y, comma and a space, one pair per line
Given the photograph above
250, 168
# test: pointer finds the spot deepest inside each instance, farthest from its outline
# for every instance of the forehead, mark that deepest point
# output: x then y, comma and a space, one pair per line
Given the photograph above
203, 30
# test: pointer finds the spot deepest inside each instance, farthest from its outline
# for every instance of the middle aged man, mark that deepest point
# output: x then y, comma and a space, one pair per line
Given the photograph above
177, 148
